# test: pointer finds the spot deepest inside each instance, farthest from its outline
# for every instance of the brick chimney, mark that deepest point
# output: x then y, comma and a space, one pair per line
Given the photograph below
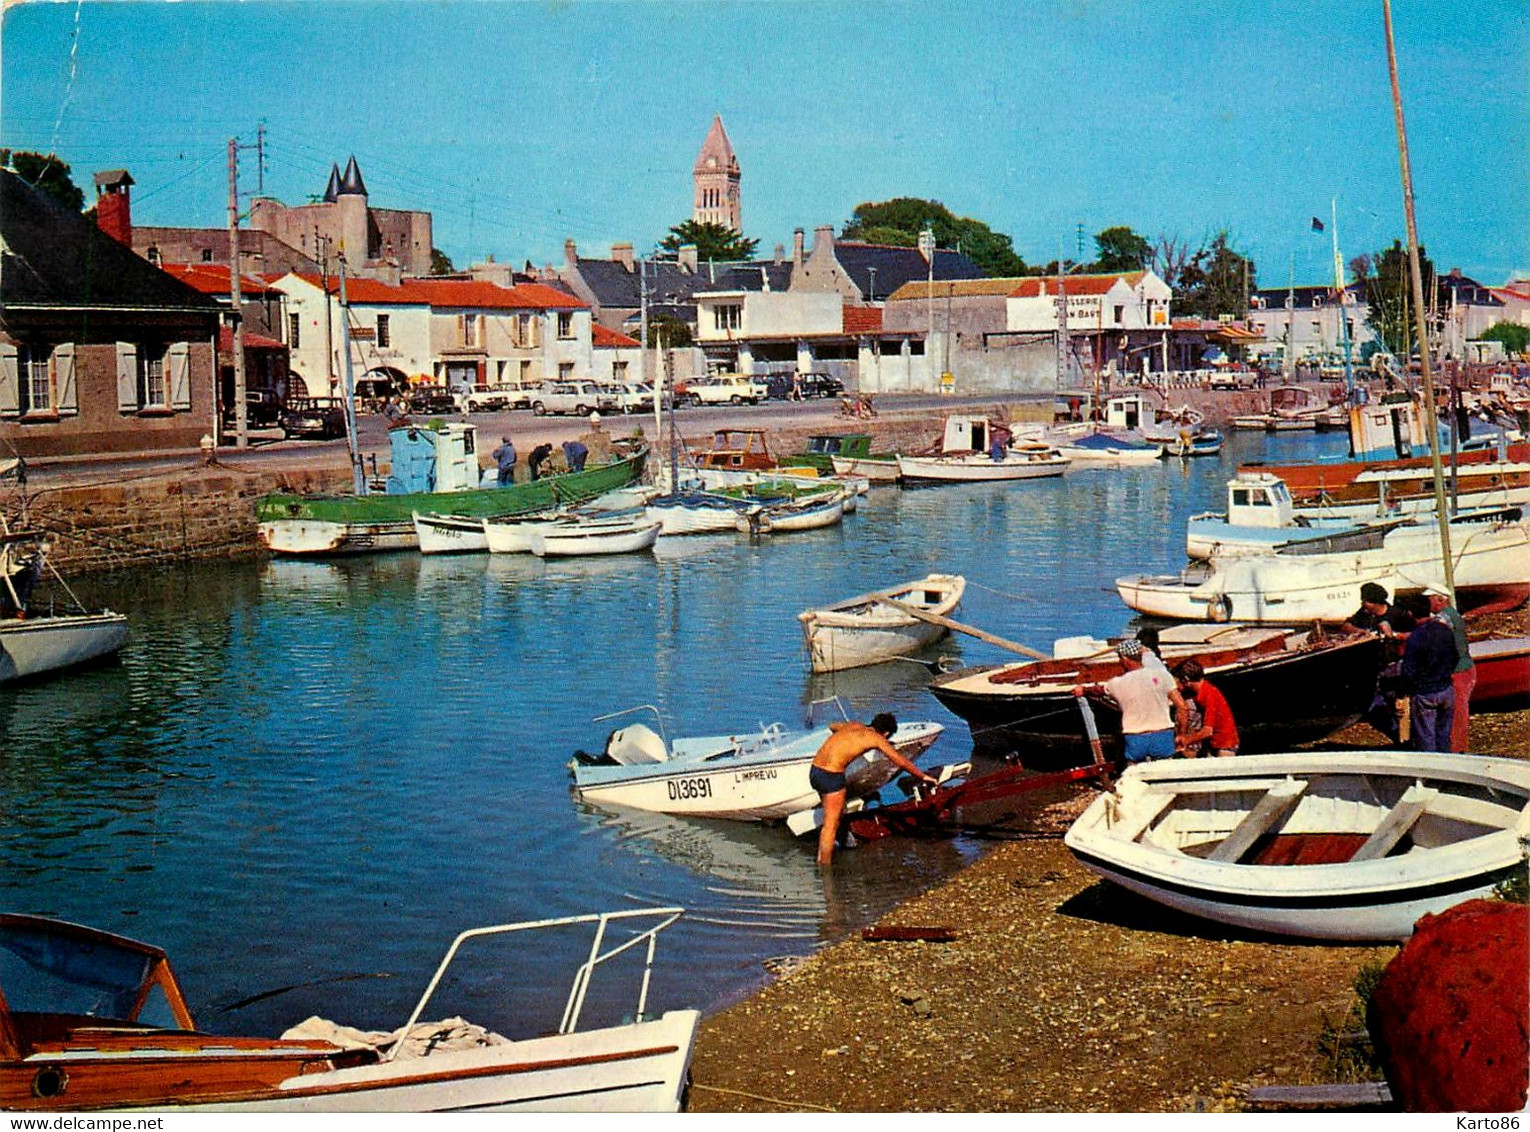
687, 258
622, 254
823, 240
570, 253
797, 248
114, 210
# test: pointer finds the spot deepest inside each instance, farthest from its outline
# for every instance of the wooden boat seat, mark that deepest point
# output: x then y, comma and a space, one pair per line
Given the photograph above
1398, 821
1266, 813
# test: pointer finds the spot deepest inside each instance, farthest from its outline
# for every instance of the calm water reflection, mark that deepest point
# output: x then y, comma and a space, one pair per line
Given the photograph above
310, 775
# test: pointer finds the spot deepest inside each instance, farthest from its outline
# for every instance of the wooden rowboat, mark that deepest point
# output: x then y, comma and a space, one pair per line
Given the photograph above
866, 630
1324, 845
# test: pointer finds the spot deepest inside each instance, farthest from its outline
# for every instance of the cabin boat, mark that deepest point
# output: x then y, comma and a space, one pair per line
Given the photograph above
434, 471
1260, 516
760, 776
1319, 578
865, 630
1338, 845
36, 640
1283, 688
977, 450
92, 1021
1292, 408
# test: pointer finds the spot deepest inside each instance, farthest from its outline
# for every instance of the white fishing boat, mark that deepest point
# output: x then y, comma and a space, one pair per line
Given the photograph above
1110, 448
866, 630
92, 1021
450, 534
699, 513
1319, 579
808, 514
760, 776
583, 535
36, 637
1260, 516
874, 469
1347, 845
1023, 463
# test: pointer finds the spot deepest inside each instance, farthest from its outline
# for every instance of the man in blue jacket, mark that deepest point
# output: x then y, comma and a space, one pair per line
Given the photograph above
1428, 664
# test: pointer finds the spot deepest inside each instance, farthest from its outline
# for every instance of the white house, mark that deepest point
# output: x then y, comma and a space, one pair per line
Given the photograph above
389, 328
1136, 300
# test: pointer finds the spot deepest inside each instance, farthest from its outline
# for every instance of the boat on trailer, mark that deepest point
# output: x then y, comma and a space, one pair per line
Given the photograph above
93, 1021
1341, 845
867, 630
752, 776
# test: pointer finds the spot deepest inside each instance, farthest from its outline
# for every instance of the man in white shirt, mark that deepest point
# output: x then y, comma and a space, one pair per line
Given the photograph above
1144, 696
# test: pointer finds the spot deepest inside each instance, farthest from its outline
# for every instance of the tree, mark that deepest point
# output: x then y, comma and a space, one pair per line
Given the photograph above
1121, 249
899, 221
668, 331
1514, 336
1388, 290
714, 242
440, 262
1168, 257
1216, 281
47, 174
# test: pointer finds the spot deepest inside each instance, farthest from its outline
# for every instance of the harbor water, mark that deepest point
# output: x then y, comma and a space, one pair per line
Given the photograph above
303, 778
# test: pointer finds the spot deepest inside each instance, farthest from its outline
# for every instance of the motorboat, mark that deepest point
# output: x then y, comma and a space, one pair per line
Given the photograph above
867, 630
581, 535
1319, 578
1026, 462
1339, 845
37, 638
1260, 516
1283, 688
750, 776
94, 1021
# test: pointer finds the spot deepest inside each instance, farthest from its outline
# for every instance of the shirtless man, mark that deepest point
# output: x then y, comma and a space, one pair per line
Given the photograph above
847, 742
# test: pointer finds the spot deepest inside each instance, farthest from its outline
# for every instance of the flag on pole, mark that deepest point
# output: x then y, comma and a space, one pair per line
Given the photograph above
1317, 225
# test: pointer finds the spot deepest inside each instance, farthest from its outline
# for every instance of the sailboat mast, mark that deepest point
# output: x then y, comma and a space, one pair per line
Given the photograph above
1427, 365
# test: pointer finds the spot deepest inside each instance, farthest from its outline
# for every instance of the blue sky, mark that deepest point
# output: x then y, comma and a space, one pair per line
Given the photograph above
522, 124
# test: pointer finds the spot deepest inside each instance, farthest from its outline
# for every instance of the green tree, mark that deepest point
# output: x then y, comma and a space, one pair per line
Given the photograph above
1388, 289
714, 242
1216, 281
1121, 249
668, 331
898, 222
440, 262
47, 174
1515, 337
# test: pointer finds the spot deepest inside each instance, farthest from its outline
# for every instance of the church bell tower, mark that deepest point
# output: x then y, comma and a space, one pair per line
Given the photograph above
717, 176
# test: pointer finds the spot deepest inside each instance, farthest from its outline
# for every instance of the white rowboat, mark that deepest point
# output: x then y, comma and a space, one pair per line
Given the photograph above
586, 536
450, 534
862, 630
1024, 463
1349, 845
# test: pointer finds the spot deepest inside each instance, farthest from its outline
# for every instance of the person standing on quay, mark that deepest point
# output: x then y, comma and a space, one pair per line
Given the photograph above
1428, 663
1144, 696
1464, 679
847, 742
504, 459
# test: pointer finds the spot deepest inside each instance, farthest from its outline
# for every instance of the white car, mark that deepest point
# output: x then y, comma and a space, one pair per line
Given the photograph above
493, 399
632, 396
726, 389
579, 397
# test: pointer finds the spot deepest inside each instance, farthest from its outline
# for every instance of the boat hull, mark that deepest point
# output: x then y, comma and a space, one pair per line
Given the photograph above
870, 468
450, 534
1278, 700
978, 468
584, 539
1161, 835
34, 646
860, 632
813, 517
1503, 670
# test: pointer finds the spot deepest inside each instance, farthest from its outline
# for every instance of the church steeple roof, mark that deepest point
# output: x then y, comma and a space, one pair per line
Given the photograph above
352, 182
332, 190
716, 154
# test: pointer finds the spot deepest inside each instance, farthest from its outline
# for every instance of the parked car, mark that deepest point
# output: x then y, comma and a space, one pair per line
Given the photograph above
430, 400
323, 417
263, 409
581, 397
494, 399
780, 385
726, 389
632, 396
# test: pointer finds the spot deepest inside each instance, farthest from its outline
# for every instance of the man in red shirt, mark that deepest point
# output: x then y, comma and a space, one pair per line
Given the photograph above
1216, 719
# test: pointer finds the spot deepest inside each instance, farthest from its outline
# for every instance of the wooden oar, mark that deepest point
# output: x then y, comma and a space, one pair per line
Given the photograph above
957, 626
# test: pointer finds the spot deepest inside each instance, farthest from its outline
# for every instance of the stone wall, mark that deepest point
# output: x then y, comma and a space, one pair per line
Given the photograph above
196, 512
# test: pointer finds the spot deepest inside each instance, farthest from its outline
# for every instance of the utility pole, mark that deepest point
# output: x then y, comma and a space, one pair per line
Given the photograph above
260, 158
1062, 322
321, 245
236, 299
358, 475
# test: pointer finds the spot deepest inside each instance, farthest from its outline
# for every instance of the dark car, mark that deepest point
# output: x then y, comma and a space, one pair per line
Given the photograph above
323, 417
263, 409
431, 401
809, 384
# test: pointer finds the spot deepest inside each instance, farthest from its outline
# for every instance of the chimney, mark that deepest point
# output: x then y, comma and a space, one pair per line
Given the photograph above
927, 244
797, 248
823, 240
570, 253
622, 254
114, 210
780, 254
687, 257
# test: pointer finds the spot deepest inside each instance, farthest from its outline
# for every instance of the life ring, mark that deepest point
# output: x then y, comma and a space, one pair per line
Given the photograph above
1220, 608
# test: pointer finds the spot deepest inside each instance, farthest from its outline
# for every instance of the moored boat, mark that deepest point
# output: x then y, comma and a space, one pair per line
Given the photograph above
761, 776
1283, 688
582, 535
449, 534
1503, 670
93, 1021
1343, 845
699, 512
864, 630
810, 513
36, 639
1109, 448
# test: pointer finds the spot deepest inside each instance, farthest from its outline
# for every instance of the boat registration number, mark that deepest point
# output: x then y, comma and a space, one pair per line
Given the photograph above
685, 788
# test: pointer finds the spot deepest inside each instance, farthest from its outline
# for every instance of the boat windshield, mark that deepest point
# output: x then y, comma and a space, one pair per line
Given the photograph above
47, 971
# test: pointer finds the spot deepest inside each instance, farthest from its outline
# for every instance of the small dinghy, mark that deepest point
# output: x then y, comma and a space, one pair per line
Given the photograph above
576, 536
450, 534
867, 630
1344, 845
699, 513
761, 776
808, 514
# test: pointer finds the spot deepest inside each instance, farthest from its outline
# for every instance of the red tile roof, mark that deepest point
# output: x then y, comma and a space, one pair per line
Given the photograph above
862, 320
491, 296
1076, 284
251, 341
213, 278
359, 290
605, 336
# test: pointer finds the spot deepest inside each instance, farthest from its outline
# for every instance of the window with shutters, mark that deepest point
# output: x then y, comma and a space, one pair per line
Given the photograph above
383, 330
36, 387
151, 379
